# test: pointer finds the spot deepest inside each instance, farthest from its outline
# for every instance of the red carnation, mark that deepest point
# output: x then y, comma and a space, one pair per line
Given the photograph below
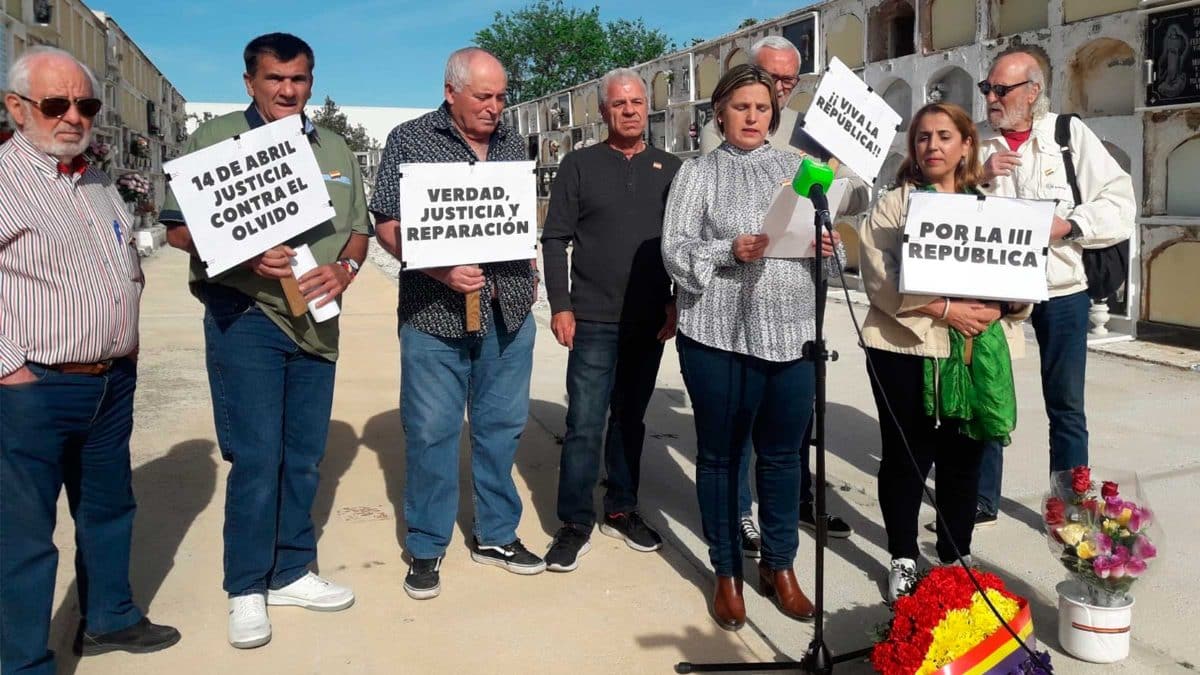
1081, 479
1056, 511
1108, 489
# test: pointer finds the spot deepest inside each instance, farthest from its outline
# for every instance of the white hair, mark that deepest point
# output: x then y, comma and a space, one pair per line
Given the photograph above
21, 71
458, 66
619, 75
774, 42
1041, 104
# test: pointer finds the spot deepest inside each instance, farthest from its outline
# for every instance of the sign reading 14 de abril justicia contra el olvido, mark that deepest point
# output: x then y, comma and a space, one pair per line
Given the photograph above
249, 193
464, 214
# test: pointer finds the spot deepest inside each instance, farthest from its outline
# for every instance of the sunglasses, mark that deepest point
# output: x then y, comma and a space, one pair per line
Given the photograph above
1001, 90
57, 106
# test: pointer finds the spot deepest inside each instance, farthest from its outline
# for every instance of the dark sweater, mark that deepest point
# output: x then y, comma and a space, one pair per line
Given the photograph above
611, 209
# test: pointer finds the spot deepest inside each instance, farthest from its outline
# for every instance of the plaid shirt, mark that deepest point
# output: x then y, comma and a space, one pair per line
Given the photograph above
425, 303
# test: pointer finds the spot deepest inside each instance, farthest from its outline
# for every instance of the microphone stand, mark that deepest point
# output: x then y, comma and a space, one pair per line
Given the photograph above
817, 659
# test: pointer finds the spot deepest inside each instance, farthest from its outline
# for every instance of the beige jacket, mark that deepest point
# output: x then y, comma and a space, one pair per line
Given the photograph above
1107, 213
892, 323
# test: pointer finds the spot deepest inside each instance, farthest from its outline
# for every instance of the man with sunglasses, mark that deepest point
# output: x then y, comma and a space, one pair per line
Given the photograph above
71, 285
1022, 159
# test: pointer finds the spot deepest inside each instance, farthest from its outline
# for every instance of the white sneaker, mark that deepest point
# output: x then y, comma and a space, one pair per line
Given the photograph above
249, 626
312, 592
902, 578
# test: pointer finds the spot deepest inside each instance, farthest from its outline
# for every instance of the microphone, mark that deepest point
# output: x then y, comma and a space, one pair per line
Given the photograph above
812, 180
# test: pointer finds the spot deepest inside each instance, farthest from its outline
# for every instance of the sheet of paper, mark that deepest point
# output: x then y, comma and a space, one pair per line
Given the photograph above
301, 264
789, 221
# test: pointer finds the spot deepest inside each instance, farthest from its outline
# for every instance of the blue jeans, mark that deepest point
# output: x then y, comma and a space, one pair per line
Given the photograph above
739, 400
72, 431
271, 406
1060, 325
746, 497
489, 376
611, 369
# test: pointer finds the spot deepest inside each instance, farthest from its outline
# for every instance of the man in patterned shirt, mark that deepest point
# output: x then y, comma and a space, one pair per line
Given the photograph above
443, 367
70, 284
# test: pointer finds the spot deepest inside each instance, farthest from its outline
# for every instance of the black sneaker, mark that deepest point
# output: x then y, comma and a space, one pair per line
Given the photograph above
630, 527
751, 539
570, 543
984, 519
838, 528
513, 557
142, 637
424, 580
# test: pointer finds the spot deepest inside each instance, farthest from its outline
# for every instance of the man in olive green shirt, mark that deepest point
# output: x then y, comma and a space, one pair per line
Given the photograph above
271, 374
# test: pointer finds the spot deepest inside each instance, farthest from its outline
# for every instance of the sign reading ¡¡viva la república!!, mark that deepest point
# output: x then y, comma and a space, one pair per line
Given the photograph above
970, 246
467, 213
250, 193
851, 121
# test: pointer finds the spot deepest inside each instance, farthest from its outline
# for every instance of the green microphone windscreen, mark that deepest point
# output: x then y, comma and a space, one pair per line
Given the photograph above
812, 173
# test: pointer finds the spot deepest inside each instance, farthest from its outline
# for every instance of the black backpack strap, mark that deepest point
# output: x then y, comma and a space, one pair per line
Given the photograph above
1062, 136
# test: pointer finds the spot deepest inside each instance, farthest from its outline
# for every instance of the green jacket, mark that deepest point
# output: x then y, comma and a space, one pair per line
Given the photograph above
980, 395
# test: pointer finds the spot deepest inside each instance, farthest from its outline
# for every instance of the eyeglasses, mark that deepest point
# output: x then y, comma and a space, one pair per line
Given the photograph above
787, 81
57, 106
1001, 90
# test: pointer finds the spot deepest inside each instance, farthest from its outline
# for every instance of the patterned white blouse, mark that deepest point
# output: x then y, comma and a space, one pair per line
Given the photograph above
763, 309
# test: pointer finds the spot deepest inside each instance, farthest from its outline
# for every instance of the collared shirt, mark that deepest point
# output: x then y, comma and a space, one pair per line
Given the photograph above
425, 303
343, 180
70, 279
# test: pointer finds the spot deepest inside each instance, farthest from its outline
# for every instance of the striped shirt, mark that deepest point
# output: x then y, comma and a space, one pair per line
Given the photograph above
70, 279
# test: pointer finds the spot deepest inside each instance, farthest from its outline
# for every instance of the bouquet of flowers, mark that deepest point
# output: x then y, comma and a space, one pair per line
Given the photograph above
139, 147
946, 626
98, 154
1105, 541
134, 187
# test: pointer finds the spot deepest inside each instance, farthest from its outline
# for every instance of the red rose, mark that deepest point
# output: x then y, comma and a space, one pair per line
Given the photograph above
1092, 506
1081, 479
1056, 511
1108, 489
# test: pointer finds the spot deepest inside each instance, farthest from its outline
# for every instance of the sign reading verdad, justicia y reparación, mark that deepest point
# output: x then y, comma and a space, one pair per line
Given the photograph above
463, 213
249, 193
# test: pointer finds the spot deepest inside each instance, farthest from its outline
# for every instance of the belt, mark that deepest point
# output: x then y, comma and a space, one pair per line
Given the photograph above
98, 368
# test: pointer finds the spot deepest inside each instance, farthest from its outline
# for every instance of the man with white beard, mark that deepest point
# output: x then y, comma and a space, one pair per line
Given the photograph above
71, 284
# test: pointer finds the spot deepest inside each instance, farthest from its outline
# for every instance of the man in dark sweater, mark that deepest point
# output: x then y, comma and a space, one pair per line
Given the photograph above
614, 316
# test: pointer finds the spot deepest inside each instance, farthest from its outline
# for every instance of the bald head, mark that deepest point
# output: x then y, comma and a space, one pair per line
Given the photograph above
475, 91
47, 73
1021, 74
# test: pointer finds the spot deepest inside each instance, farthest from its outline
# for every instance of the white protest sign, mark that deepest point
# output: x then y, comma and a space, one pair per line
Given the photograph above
463, 214
789, 221
853, 122
249, 193
963, 246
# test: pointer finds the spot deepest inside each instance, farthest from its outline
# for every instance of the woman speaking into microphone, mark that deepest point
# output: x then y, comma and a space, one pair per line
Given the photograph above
914, 341
743, 322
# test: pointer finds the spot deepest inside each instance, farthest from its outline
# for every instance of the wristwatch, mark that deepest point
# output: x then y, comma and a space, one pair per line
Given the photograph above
350, 265
1076, 232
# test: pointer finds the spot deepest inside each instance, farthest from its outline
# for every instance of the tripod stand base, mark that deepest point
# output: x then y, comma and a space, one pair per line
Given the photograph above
817, 661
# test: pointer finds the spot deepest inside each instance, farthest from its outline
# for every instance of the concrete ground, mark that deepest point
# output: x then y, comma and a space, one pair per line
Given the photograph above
621, 611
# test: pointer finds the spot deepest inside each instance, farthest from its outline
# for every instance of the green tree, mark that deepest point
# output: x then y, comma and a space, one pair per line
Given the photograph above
331, 117
746, 23
546, 46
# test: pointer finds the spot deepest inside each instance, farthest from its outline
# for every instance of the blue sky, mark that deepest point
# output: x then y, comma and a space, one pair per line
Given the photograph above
369, 52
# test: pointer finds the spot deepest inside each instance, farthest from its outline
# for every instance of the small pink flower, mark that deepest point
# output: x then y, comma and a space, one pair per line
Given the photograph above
1120, 555
1113, 506
1136, 567
1104, 544
1102, 566
1143, 548
1140, 518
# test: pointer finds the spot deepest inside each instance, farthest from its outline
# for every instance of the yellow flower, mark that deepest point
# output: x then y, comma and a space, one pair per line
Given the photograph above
1126, 514
1072, 534
1111, 527
1086, 550
961, 629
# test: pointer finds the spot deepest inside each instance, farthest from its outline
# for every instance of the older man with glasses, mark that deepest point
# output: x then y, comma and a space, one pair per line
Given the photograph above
69, 301
1023, 159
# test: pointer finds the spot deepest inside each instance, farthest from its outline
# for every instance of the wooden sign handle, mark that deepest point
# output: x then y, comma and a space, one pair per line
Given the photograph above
473, 324
296, 302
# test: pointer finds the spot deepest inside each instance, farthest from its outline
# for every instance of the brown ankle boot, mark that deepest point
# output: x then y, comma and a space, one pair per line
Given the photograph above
729, 607
781, 585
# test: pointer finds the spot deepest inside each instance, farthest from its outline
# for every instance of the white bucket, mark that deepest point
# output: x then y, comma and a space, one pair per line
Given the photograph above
1091, 633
